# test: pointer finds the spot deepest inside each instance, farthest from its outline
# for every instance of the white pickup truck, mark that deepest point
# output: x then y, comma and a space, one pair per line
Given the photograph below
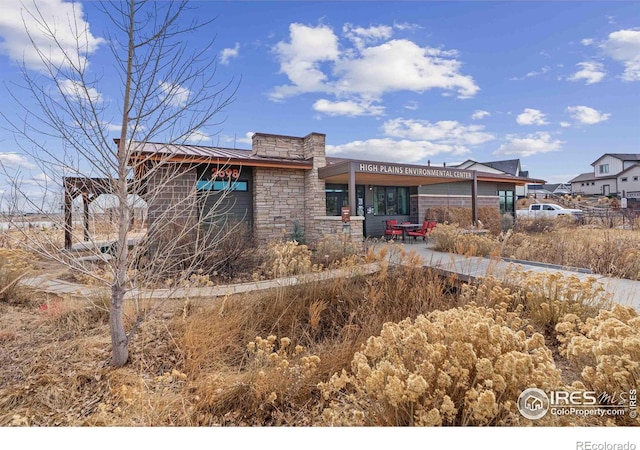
548, 210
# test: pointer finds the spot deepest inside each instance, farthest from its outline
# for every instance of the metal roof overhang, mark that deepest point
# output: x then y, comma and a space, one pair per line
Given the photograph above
391, 174
248, 162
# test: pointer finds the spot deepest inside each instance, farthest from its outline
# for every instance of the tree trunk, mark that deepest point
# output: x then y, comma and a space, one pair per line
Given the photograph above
119, 339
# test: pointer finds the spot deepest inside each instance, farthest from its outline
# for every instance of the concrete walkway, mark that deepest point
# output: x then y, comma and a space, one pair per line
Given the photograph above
623, 291
52, 285
467, 268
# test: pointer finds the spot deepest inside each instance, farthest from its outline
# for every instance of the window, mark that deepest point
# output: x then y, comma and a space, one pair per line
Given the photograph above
337, 196
635, 178
603, 168
582, 184
204, 185
593, 183
624, 179
506, 201
390, 201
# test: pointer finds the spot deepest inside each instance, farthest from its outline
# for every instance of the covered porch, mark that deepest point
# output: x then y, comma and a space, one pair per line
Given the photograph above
379, 191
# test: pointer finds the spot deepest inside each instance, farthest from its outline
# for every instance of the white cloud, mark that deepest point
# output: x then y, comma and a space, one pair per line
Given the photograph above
66, 21
443, 132
177, 95
411, 105
300, 59
40, 180
533, 73
197, 137
565, 124
15, 160
624, 46
247, 139
587, 116
531, 117
415, 141
531, 144
315, 61
399, 65
347, 108
392, 150
363, 36
587, 42
234, 140
590, 71
228, 53
480, 114
78, 92
406, 26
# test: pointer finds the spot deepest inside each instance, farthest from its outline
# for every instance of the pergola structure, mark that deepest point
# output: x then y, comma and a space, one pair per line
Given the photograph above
90, 189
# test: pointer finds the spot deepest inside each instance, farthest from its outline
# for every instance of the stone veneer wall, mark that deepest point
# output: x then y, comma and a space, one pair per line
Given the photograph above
275, 146
283, 196
278, 201
332, 226
314, 194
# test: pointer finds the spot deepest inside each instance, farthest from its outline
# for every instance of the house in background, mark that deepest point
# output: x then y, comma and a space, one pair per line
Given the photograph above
613, 174
505, 167
539, 190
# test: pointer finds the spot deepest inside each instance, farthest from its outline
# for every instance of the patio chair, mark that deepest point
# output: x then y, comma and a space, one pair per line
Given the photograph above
427, 227
391, 229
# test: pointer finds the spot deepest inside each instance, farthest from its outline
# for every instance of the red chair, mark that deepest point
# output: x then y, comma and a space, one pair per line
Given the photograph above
391, 229
427, 227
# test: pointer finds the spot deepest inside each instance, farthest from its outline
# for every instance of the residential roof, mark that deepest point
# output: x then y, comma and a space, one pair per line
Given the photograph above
509, 166
587, 176
620, 156
628, 169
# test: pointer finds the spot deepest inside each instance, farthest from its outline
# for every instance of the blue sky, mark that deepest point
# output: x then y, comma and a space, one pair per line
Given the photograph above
555, 84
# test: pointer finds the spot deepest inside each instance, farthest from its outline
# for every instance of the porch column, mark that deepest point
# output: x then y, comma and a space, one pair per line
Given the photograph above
68, 222
352, 188
474, 199
85, 207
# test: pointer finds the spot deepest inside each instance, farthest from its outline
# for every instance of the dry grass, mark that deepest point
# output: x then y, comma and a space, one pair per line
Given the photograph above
611, 252
262, 359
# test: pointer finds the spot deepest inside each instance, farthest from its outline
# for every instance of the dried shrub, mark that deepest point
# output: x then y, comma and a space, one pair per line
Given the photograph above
287, 258
277, 379
15, 264
534, 225
545, 296
506, 222
181, 249
606, 252
463, 366
452, 238
488, 215
331, 251
606, 348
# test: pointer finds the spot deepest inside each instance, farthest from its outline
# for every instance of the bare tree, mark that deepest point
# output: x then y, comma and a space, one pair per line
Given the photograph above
169, 94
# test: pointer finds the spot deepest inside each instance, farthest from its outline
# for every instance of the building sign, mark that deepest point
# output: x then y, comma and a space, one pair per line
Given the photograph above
395, 169
635, 195
225, 173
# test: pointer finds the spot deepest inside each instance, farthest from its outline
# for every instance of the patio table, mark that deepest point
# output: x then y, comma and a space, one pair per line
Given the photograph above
406, 227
